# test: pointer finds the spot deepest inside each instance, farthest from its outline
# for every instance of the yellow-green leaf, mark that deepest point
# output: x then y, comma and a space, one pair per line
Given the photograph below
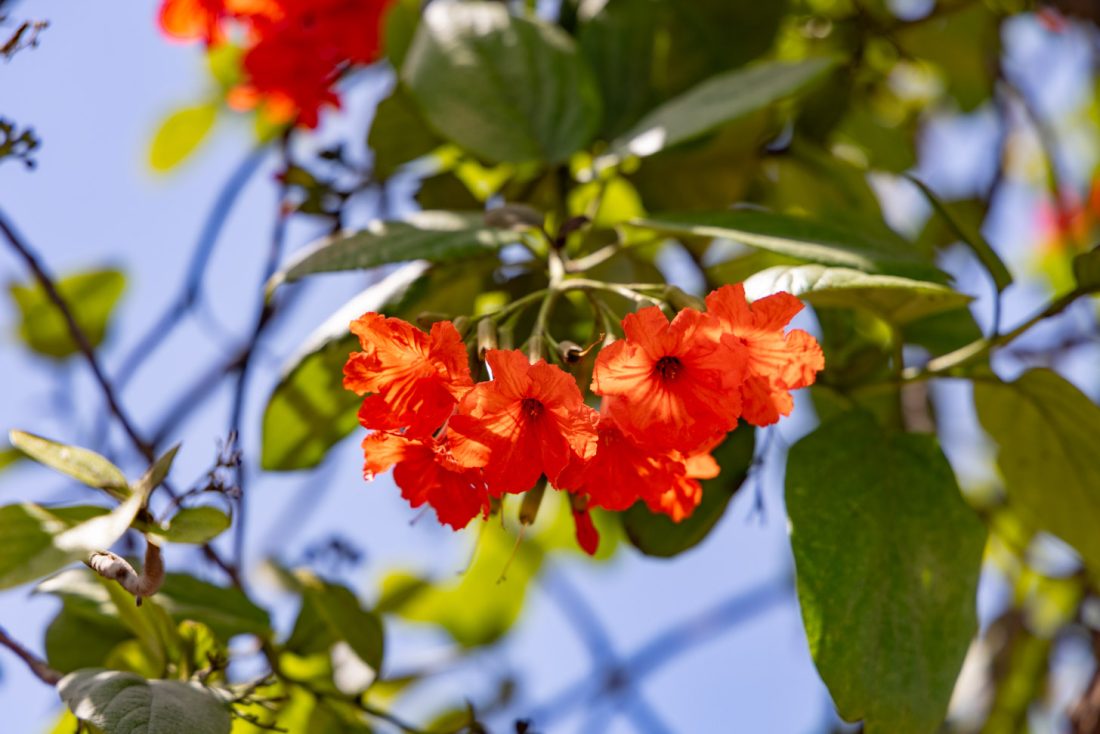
180, 134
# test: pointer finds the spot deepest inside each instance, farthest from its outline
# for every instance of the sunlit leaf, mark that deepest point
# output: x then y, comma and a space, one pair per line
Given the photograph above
91, 297
1045, 430
505, 88
195, 525
887, 557
81, 464
180, 134
892, 298
717, 101
124, 703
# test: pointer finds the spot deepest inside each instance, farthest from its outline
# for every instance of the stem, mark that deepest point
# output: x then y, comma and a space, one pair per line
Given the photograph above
37, 665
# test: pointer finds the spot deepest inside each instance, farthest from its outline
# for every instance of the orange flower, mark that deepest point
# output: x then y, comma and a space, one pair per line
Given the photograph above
622, 471
685, 493
191, 20
528, 421
427, 473
671, 385
776, 362
415, 378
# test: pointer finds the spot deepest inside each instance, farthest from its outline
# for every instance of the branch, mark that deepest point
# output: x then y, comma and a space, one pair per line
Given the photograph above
77, 334
38, 666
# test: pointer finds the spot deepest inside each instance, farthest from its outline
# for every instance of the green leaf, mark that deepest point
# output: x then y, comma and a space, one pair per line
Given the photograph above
437, 237
1086, 270
180, 134
78, 638
124, 703
887, 557
1045, 430
972, 238
799, 238
943, 332
658, 535
82, 465
398, 134
505, 88
9, 457
91, 298
478, 607
309, 410
399, 25
894, 299
195, 525
717, 101
226, 610
157, 473
38, 542
338, 608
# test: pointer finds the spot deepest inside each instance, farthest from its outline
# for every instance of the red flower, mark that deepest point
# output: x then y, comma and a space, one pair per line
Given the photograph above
415, 378
588, 538
528, 421
426, 472
622, 471
685, 492
775, 362
191, 20
671, 385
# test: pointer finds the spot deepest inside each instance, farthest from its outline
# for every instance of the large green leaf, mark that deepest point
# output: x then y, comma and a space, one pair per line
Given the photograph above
505, 88
310, 411
78, 639
800, 238
1045, 430
717, 101
433, 236
482, 604
82, 465
195, 525
887, 557
892, 298
124, 703
91, 298
658, 535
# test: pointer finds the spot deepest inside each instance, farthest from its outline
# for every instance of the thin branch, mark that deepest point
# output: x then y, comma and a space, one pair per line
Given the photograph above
38, 666
77, 334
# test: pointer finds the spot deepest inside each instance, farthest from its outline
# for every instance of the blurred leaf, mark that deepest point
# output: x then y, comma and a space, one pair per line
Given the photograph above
180, 134
195, 525
157, 472
124, 703
446, 191
964, 44
658, 535
82, 465
398, 133
346, 620
895, 300
799, 238
503, 87
309, 410
972, 238
943, 332
887, 556
1045, 430
433, 236
226, 610
399, 25
79, 638
717, 101
1086, 270
9, 457
91, 298
477, 608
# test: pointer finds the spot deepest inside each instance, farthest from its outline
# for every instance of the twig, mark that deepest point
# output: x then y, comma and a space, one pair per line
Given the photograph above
77, 334
148, 582
38, 666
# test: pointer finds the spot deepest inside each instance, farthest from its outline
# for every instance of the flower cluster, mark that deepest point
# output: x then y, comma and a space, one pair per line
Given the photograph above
294, 50
671, 391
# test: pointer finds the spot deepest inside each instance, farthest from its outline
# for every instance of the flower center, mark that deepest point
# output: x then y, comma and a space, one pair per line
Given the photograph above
532, 408
669, 368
